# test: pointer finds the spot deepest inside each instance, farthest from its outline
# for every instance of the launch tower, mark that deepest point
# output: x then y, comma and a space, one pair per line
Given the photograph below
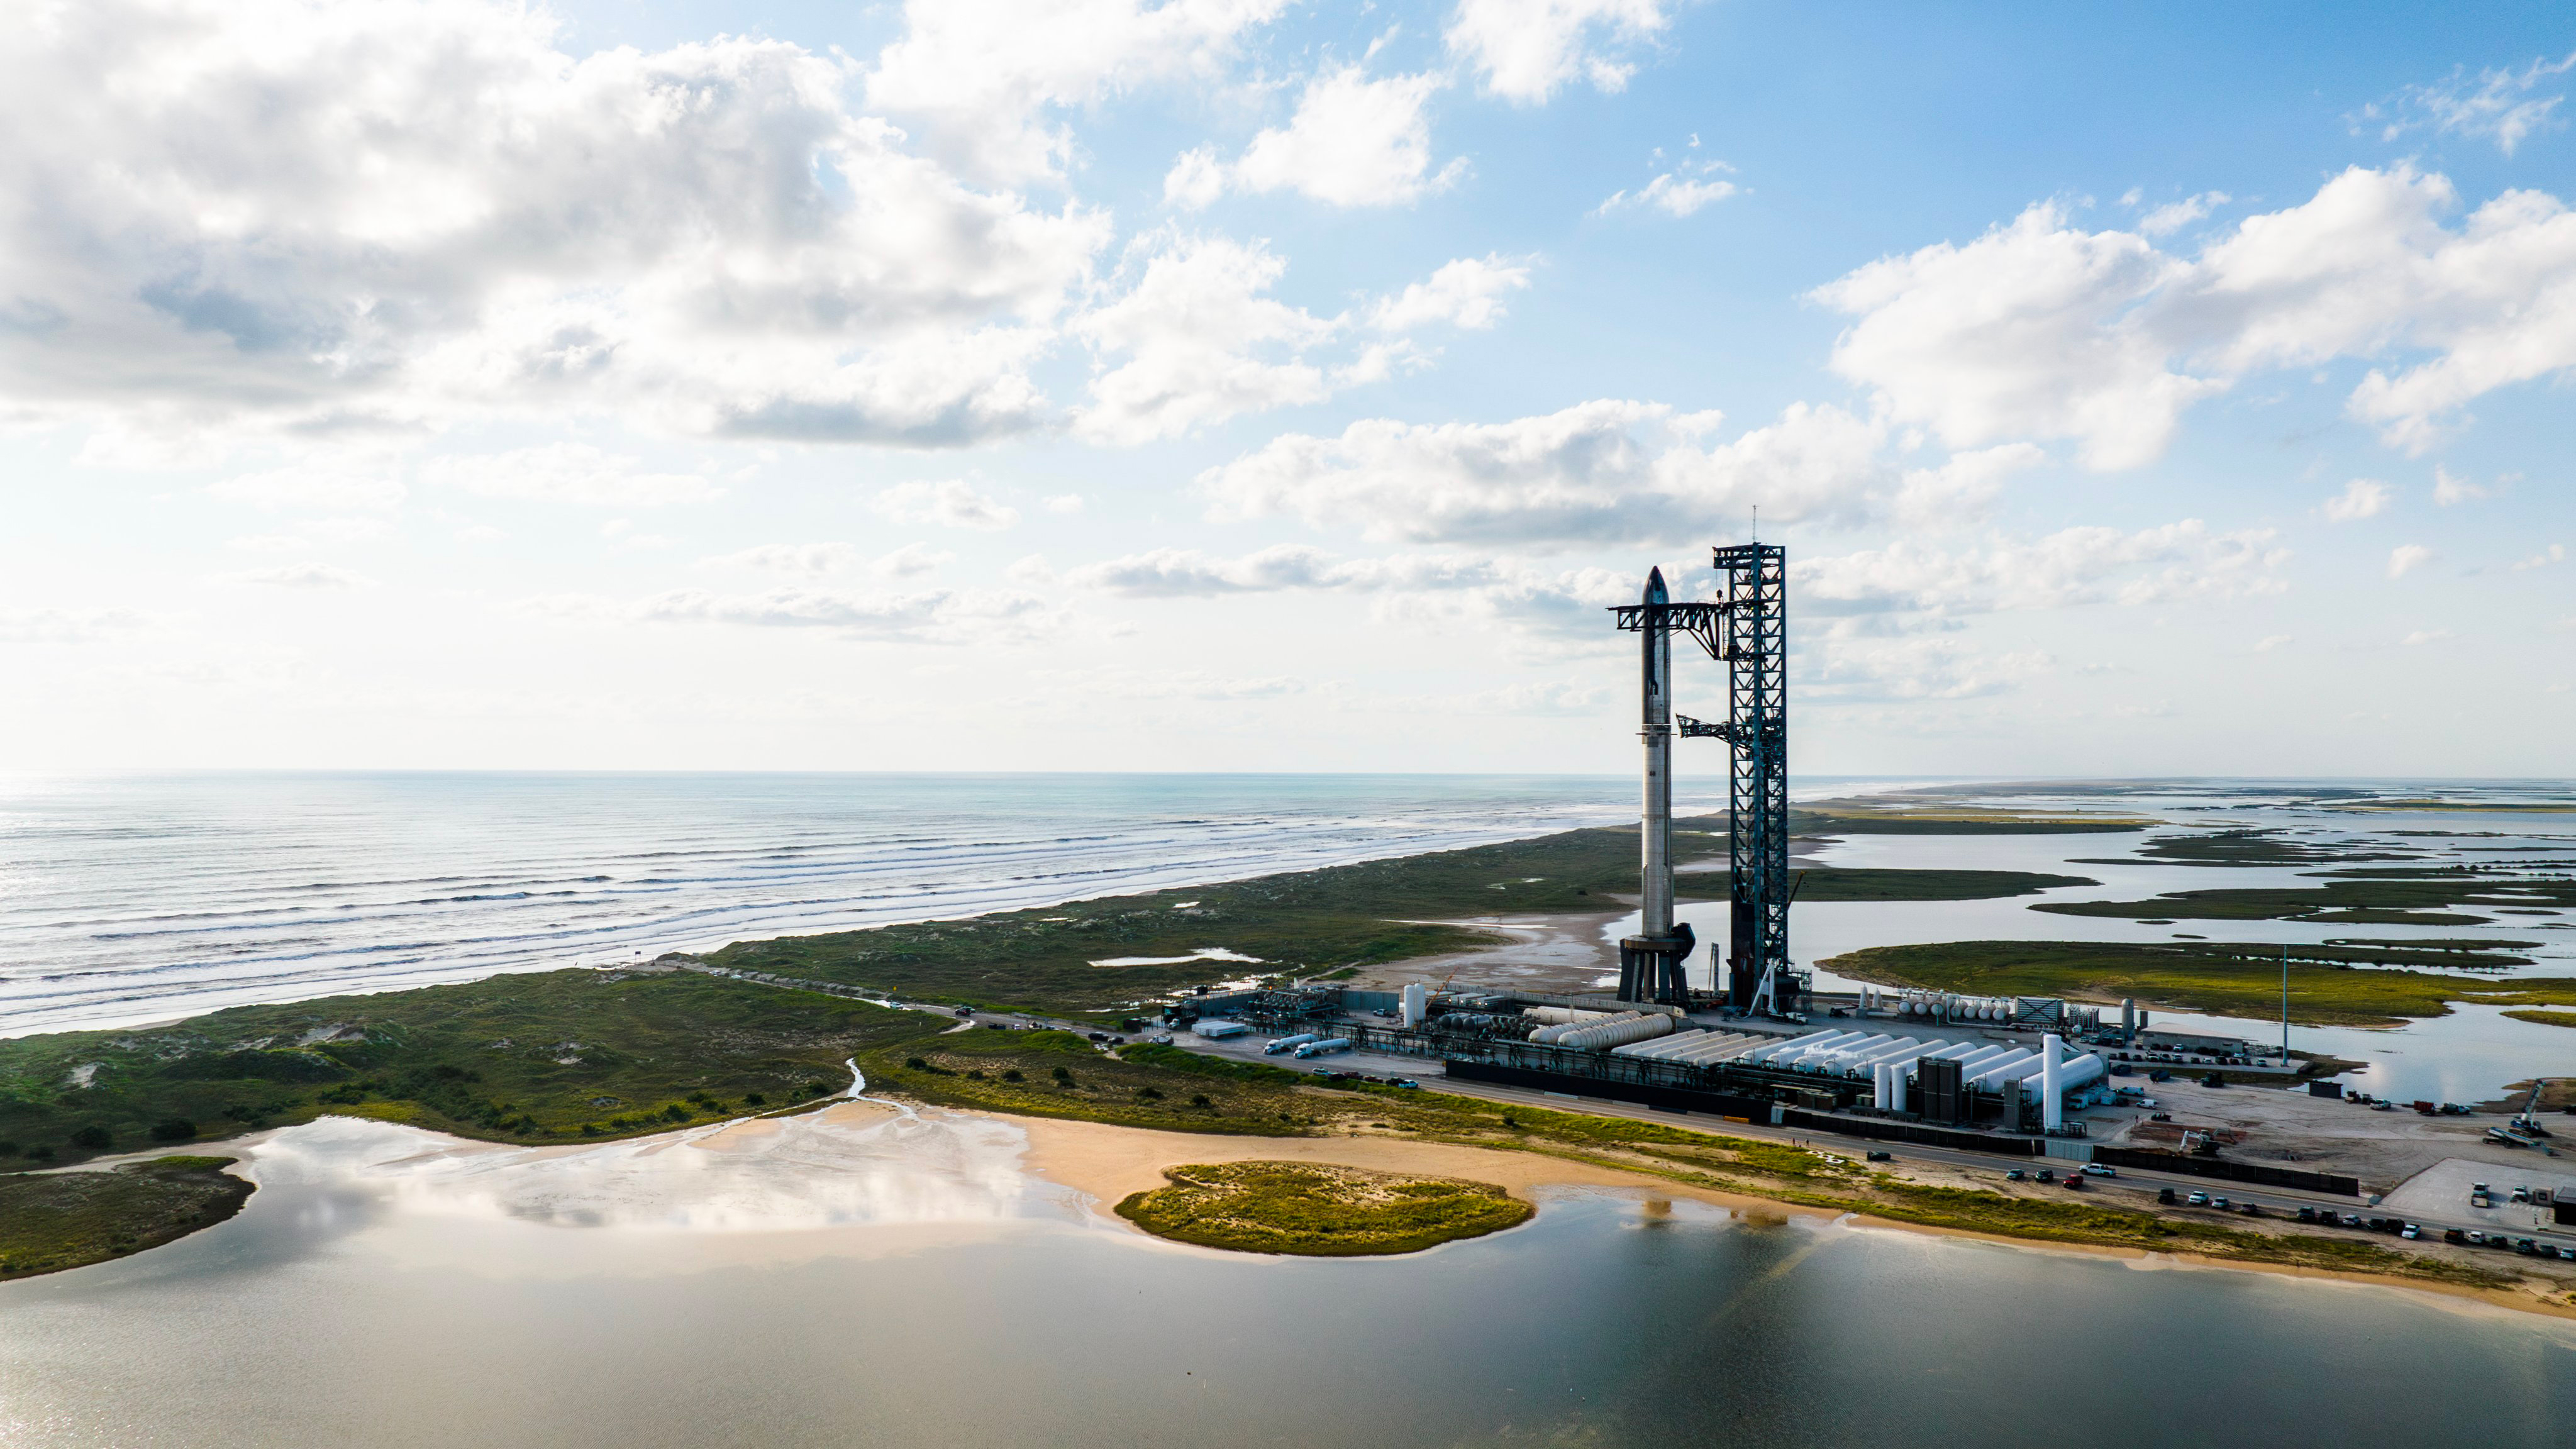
1746, 627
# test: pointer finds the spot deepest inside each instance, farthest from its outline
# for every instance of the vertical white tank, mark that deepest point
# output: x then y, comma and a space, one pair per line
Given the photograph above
2052, 1100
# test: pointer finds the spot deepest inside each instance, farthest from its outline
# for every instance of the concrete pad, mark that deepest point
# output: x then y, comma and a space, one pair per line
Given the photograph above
2442, 1190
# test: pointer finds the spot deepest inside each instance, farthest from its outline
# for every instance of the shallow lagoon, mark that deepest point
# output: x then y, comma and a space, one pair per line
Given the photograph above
2468, 1056
900, 1281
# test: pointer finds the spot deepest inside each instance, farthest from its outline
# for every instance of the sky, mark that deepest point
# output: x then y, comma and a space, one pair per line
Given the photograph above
1250, 385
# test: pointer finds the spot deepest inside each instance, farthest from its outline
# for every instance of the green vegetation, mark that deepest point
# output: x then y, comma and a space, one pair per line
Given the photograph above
1845, 817
549, 1056
56, 1220
2389, 897
2545, 1018
1302, 923
1318, 1209
1059, 1074
2252, 847
2220, 978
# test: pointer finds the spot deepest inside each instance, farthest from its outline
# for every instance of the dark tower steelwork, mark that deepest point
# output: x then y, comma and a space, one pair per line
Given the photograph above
1754, 592
1654, 964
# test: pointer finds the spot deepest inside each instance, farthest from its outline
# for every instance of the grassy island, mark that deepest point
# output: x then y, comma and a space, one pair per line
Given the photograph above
57, 1220
2384, 896
1319, 1210
2217, 977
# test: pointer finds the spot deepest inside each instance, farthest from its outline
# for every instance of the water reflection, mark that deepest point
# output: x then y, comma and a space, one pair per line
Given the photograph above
1613, 1319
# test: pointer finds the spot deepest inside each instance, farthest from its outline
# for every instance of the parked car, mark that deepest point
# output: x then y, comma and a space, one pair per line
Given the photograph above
2096, 1169
2165, 1195
2016, 1175
2307, 1215
2219, 1203
2454, 1235
2410, 1232
1882, 1157
2048, 1174
2198, 1199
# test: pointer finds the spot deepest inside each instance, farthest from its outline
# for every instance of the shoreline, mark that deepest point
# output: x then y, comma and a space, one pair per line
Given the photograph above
1106, 1162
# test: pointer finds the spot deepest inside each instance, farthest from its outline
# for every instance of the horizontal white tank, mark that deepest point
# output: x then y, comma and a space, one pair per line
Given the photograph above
1552, 1035
1605, 1035
1711, 1046
1982, 1058
1566, 1015
1797, 1049
1902, 1049
2011, 1067
1842, 1054
1679, 1045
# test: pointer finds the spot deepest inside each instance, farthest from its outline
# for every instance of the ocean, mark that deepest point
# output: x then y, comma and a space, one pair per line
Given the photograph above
135, 898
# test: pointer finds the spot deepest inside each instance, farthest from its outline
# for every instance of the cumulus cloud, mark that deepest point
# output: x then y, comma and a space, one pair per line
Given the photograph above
2556, 553
953, 503
568, 473
2173, 216
986, 75
2450, 491
1201, 342
2074, 566
2505, 106
1675, 193
1465, 293
333, 215
1527, 50
1605, 471
2040, 329
2361, 498
1964, 487
301, 576
1196, 337
1353, 142
2406, 558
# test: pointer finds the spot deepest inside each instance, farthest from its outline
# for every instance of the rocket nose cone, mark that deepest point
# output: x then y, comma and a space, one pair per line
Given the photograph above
1655, 591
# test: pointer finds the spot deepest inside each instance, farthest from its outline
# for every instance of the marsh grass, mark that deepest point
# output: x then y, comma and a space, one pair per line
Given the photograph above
58, 1220
2220, 978
1319, 1209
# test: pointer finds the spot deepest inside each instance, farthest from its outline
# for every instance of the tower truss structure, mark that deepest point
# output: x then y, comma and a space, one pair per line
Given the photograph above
1747, 628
